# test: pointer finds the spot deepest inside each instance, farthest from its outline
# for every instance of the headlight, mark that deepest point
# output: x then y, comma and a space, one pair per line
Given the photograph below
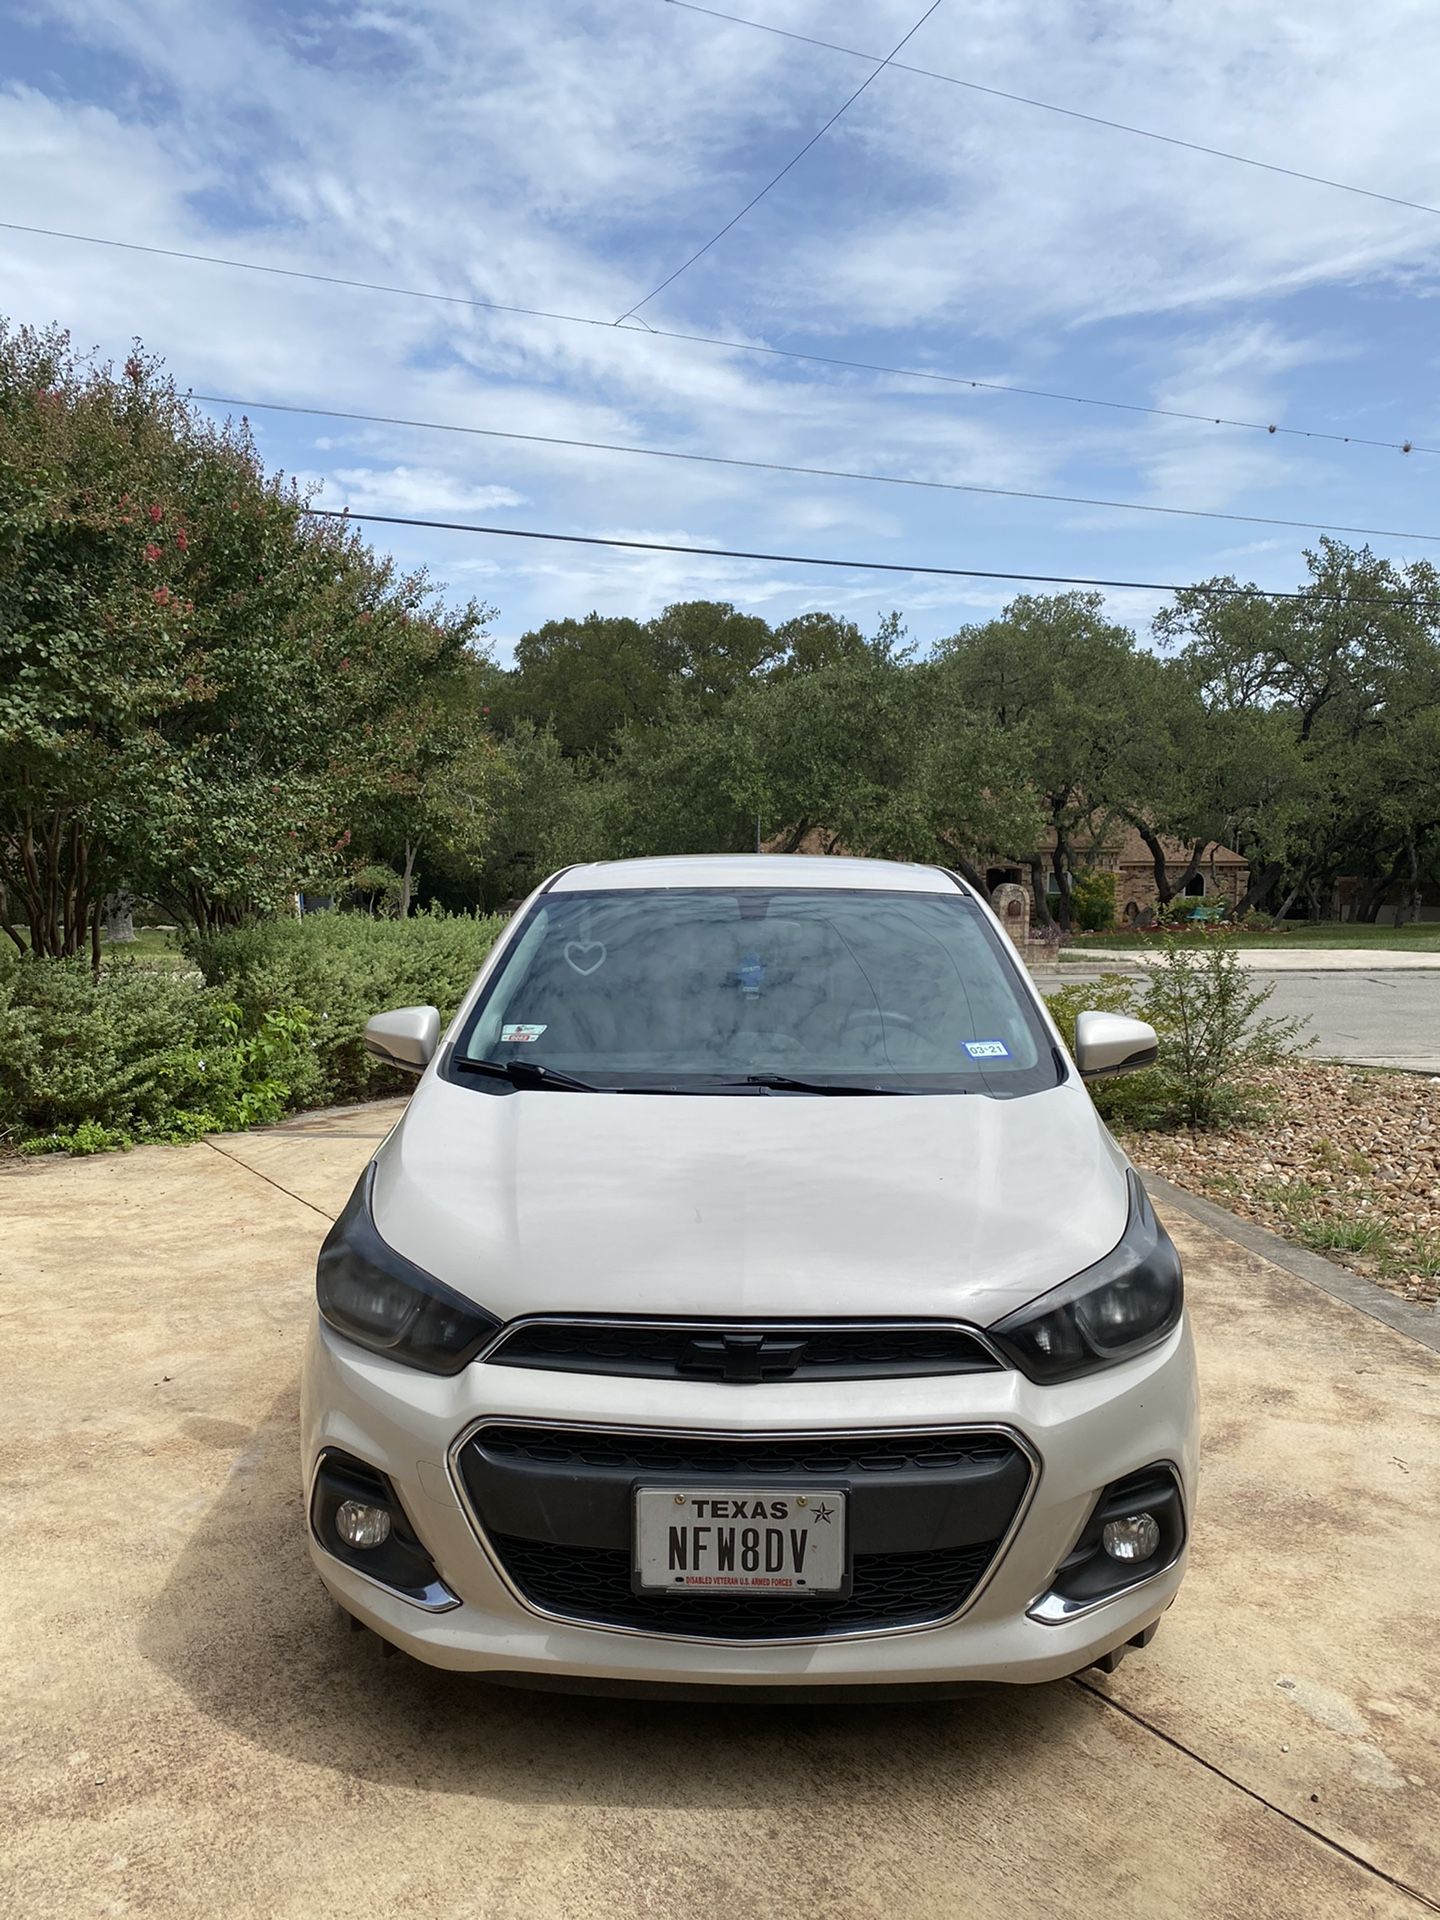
375, 1296
1123, 1304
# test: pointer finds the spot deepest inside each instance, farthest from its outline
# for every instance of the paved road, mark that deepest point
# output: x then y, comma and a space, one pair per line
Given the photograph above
1388, 1018
186, 1729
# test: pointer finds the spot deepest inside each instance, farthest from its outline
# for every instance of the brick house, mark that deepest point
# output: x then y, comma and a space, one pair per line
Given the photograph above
1223, 874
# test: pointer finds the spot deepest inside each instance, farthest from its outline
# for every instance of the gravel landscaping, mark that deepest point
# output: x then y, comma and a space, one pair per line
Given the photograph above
1346, 1161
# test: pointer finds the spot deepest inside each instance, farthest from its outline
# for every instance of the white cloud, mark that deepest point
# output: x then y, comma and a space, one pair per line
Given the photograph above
570, 162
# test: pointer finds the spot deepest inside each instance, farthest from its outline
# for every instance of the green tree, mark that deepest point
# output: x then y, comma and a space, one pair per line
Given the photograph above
586, 679
187, 660
1326, 703
1067, 684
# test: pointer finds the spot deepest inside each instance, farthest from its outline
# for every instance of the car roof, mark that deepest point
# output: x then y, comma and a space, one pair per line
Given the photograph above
754, 870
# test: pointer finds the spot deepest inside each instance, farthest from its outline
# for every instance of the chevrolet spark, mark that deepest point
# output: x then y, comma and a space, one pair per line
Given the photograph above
750, 1298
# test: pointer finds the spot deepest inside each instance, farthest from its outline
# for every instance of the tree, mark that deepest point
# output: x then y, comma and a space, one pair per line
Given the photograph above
1328, 703
1052, 672
709, 650
587, 679
187, 660
419, 761
865, 754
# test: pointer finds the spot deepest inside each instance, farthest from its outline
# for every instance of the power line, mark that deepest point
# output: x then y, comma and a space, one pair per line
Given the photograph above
1070, 113
718, 341
1207, 588
813, 473
794, 160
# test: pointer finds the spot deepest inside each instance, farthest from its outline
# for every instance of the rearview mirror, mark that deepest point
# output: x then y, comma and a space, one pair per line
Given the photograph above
404, 1037
1112, 1043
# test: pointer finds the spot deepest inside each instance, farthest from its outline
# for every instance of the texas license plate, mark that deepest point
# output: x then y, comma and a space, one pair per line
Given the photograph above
722, 1540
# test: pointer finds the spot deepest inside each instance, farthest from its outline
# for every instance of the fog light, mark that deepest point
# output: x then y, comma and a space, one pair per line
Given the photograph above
1134, 1538
359, 1525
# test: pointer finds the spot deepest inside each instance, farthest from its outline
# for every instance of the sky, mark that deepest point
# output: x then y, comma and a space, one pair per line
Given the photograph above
568, 155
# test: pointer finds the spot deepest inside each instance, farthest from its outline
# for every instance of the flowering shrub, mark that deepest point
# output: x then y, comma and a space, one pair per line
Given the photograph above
269, 1020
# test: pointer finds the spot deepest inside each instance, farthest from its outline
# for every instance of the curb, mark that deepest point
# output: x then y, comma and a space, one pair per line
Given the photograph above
1419, 1323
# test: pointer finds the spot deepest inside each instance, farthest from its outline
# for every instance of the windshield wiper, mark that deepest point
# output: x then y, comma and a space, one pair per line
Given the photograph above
527, 1073
787, 1083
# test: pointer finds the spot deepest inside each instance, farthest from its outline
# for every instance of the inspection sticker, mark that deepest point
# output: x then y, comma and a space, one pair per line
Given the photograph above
522, 1032
987, 1049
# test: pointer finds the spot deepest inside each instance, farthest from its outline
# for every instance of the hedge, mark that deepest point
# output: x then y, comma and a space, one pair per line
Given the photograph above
261, 1022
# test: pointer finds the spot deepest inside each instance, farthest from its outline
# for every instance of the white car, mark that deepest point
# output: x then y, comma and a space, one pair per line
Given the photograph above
751, 1298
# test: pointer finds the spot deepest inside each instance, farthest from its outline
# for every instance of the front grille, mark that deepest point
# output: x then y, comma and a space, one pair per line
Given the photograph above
636, 1451
744, 1353
888, 1590
928, 1512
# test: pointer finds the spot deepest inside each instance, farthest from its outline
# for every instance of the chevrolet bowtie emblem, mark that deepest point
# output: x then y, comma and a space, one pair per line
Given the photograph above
743, 1357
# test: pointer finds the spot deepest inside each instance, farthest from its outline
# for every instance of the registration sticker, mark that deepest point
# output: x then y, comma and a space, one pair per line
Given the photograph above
522, 1031
987, 1049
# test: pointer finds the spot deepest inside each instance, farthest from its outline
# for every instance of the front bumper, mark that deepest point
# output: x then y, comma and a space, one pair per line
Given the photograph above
1082, 1435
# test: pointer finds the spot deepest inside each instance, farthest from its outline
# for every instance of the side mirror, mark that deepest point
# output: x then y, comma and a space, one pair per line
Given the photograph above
405, 1037
1112, 1043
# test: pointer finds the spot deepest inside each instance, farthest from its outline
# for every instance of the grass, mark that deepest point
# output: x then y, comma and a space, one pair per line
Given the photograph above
1299, 936
154, 945
150, 944
1374, 1240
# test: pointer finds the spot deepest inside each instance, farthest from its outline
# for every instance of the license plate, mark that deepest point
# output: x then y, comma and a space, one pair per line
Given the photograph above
720, 1540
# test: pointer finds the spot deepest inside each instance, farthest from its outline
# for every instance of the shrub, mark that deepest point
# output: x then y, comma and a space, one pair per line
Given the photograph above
1212, 1033
271, 1020
335, 970
1092, 901
142, 1053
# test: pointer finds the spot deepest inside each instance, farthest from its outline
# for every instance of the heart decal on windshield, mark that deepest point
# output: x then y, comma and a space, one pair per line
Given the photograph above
585, 956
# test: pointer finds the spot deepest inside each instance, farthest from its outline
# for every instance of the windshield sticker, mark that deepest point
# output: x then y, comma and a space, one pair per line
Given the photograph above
987, 1049
522, 1030
750, 976
585, 956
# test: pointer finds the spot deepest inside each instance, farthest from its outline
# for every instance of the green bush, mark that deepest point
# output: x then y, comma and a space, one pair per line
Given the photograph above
335, 970
1092, 901
142, 1053
268, 1019
1212, 1031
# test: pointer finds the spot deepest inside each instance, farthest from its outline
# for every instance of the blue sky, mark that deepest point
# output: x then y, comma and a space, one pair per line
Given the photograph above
567, 154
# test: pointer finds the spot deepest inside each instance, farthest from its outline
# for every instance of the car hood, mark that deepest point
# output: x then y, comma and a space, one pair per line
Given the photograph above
957, 1206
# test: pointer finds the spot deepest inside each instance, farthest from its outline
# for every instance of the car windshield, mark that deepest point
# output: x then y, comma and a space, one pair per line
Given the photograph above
715, 989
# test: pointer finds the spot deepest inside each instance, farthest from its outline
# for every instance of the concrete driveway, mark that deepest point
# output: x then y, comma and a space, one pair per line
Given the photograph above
189, 1729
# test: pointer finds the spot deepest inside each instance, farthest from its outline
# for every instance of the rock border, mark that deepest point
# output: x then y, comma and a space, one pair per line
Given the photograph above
1419, 1323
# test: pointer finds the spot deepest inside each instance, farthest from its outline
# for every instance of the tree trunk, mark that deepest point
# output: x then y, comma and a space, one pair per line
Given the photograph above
970, 874
1371, 897
1164, 892
95, 940
46, 866
407, 879
119, 909
1261, 886
1407, 908
1197, 859
1060, 865
1041, 919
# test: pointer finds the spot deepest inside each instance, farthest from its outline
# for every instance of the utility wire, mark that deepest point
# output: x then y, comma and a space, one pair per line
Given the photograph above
813, 473
1209, 589
794, 160
1070, 113
713, 340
